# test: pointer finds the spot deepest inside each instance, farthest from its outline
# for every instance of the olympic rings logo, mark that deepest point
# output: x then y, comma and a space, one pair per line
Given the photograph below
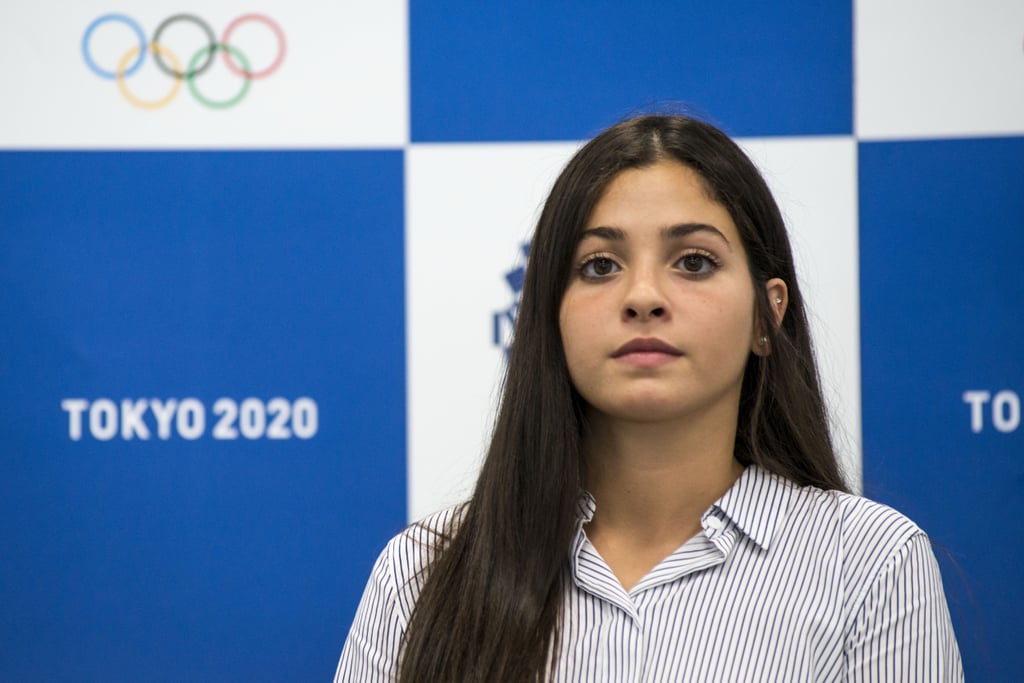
169, 62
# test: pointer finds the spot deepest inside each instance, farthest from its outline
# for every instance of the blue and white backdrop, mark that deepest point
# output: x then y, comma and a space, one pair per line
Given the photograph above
252, 320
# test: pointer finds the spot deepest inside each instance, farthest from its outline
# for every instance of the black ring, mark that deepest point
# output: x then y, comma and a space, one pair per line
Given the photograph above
212, 43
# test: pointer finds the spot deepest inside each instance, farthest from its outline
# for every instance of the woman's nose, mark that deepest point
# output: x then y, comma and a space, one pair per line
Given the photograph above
644, 300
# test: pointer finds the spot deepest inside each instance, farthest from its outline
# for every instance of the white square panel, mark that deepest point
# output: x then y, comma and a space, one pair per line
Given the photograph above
343, 81
948, 68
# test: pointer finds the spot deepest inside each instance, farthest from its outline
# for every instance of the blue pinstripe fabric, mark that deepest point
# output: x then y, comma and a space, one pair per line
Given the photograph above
784, 584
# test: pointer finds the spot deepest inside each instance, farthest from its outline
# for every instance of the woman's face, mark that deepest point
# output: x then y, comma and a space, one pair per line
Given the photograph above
657, 321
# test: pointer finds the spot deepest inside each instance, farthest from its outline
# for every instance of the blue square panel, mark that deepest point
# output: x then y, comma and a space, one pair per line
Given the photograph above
942, 233
202, 390
562, 70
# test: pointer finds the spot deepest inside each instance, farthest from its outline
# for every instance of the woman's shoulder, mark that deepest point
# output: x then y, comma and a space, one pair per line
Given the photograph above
867, 535
864, 521
412, 550
848, 518
401, 567
866, 518
374, 641
895, 612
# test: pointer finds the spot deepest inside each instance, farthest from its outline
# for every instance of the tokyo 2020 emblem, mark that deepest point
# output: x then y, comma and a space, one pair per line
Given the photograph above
169, 61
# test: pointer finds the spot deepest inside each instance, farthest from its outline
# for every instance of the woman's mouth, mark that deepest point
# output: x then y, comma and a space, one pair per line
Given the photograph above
646, 352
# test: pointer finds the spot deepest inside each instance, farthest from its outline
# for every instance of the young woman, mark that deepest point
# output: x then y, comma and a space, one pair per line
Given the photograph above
660, 500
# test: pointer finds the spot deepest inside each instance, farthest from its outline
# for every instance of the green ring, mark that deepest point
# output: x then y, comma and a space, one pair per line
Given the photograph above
190, 77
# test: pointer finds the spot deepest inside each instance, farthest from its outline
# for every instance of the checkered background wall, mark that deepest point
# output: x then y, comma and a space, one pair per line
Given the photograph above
253, 321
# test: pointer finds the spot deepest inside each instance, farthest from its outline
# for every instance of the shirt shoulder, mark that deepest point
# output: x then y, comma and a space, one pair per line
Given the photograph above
863, 522
860, 537
374, 642
409, 554
897, 624
873, 532
874, 536
868, 521
771, 509
868, 533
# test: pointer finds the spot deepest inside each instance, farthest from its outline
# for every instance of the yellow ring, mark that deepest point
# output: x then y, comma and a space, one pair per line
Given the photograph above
123, 86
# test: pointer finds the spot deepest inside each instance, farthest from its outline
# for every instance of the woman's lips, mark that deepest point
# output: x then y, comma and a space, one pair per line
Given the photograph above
647, 352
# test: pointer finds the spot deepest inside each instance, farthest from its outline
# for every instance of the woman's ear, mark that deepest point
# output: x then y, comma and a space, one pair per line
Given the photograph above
778, 300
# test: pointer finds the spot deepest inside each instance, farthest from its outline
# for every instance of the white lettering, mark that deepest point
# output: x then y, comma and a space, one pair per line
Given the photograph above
305, 418
74, 408
191, 420
131, 419
225, 427
255, 418
252, 418
103, 419
977, 399
279, 410
1006, 411
164, 413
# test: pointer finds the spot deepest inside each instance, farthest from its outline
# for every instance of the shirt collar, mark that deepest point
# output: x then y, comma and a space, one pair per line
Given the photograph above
756, 503
585, 507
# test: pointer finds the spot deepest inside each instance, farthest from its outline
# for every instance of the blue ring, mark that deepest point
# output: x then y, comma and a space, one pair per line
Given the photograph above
88, 34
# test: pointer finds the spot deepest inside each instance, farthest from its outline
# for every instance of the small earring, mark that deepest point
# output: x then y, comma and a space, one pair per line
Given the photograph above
763, 340
778, 299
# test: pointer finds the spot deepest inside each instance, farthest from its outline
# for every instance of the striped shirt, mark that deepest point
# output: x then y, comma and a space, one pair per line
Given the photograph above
786, 583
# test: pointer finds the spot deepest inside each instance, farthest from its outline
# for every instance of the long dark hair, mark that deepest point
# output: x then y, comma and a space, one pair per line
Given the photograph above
488, 610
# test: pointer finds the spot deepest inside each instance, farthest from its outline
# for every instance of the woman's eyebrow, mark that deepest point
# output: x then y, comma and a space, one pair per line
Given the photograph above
684, 229
604, 233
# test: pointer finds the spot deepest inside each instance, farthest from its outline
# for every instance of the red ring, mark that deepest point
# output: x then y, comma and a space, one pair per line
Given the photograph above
230, 61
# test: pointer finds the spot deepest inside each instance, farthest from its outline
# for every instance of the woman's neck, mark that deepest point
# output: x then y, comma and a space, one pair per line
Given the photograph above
651, 480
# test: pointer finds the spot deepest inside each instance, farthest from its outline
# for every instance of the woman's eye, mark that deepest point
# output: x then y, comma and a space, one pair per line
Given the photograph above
698, 264
599, 267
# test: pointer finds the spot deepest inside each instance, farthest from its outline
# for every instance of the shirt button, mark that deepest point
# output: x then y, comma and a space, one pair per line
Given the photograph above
714, 523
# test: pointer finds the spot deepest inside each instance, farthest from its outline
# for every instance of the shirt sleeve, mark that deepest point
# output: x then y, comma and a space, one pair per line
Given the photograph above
371, 650
903, 631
